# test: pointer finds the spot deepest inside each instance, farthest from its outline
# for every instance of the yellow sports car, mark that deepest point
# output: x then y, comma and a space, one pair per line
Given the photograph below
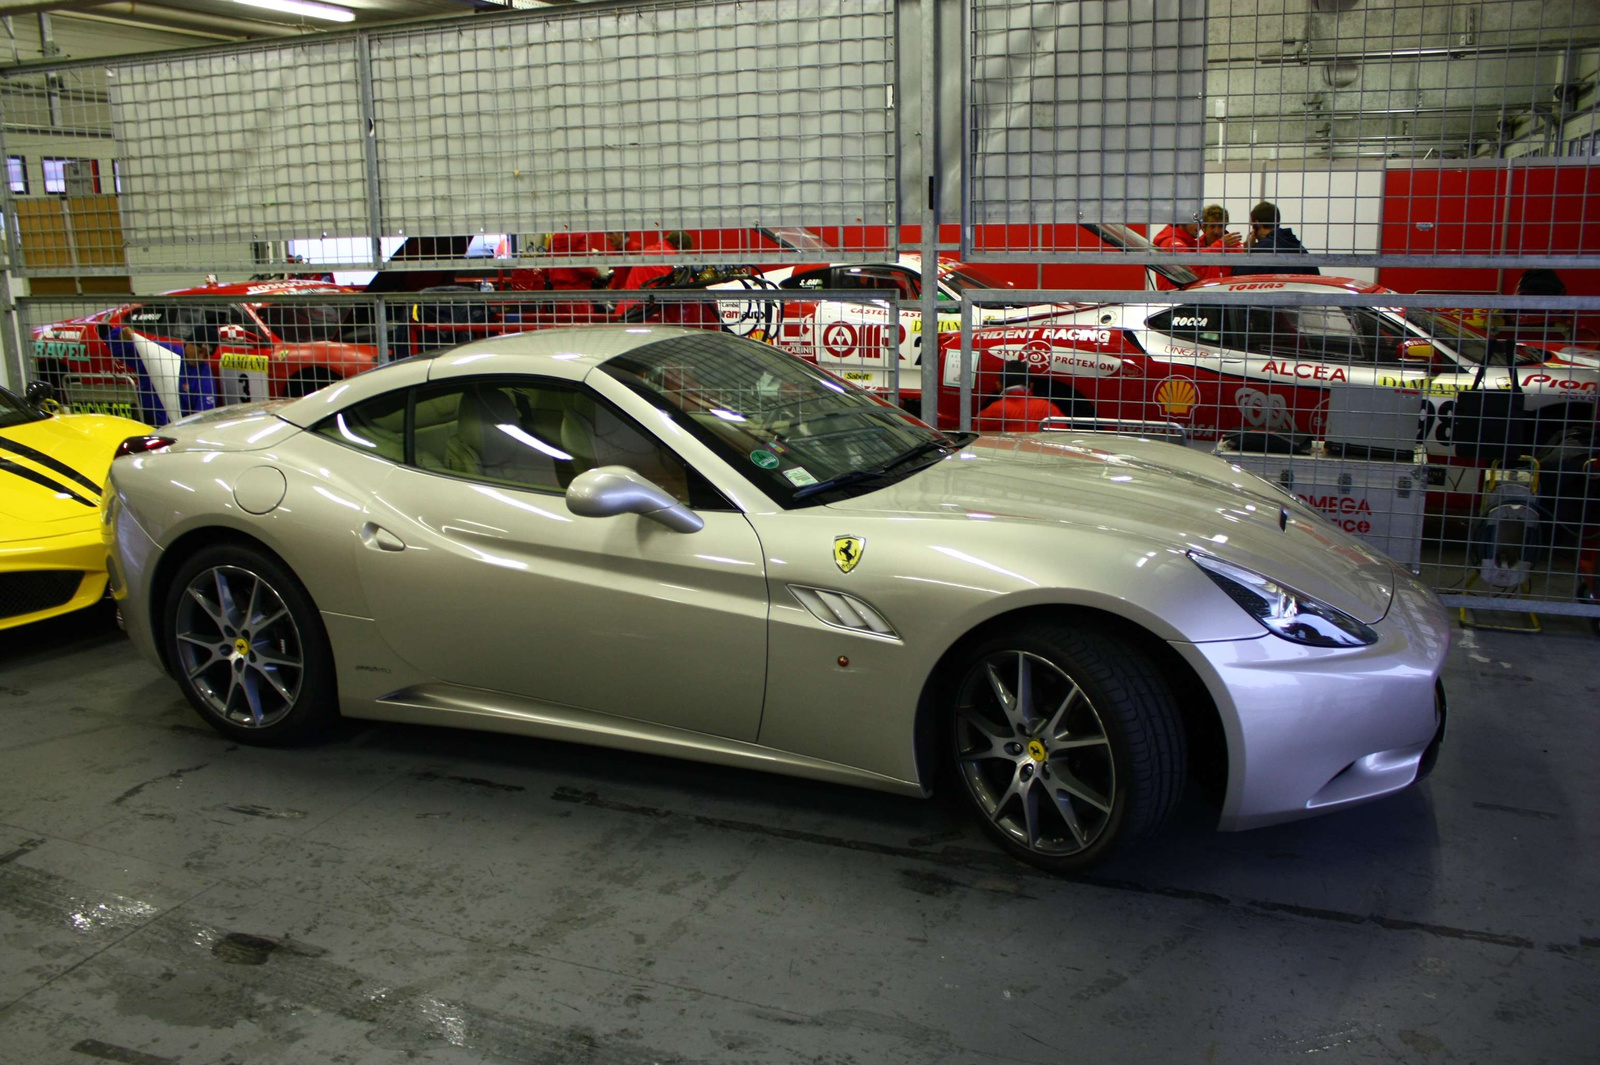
52, 467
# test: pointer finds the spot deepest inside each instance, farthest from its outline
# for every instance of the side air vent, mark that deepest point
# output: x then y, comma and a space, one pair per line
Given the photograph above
842, 611
29, 591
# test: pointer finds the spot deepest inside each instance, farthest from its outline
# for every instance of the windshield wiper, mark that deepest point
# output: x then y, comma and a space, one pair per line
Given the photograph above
953, 442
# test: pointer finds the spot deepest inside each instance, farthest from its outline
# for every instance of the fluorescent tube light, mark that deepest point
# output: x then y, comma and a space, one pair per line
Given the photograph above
308, 8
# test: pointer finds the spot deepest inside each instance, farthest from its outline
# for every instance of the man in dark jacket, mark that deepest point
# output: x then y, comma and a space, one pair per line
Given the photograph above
1268, 237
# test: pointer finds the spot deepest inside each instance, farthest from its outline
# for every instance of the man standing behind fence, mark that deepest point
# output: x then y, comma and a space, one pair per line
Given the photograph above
1268, 236
1209, 234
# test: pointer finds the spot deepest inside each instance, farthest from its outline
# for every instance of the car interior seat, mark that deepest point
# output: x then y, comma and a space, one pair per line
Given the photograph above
488, 431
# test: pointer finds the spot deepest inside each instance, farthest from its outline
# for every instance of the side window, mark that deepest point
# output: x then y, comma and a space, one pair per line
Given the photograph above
376, 426
1264, 331
1327, 334
168, 321
1380, 338
809, 279
1190, 325
537, 436
890, 278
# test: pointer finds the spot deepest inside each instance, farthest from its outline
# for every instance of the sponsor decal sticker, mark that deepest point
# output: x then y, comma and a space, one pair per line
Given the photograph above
847, 552
1177, 396
1565, 384
1306, 371
839, 339
1261, 411
70, 350
234, 360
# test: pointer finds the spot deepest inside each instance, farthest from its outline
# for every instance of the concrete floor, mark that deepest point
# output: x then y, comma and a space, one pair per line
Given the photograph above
408, 894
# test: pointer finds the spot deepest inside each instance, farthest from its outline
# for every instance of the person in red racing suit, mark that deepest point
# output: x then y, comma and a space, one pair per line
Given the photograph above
1209, 234
570, 244
1017, 409
642, 275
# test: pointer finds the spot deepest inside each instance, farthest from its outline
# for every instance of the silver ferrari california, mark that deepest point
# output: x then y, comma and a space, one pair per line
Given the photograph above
681, 542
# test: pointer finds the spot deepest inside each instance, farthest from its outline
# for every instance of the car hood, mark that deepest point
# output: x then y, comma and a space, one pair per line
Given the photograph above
1582, 358
48, 466
1166, 495
1031, 312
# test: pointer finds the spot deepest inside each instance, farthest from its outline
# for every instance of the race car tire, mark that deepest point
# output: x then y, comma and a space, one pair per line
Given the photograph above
247, 646
1066, 743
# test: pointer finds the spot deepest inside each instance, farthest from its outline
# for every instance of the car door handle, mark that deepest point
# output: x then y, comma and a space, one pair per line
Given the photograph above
380, 539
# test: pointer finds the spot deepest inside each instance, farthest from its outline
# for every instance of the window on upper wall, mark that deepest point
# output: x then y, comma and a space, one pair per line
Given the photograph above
55, 174
17, 173
116, 176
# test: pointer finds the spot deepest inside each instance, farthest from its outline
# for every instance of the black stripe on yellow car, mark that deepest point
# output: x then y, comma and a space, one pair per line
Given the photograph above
29, 474
56, 465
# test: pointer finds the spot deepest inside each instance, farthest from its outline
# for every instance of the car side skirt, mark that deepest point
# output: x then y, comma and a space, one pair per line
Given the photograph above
457, 706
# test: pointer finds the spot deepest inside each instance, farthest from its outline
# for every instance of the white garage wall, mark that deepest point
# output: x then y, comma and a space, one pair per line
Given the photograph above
1331, 211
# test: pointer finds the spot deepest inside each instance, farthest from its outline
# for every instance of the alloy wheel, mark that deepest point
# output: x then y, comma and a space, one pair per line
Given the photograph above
1034, 754
238, 647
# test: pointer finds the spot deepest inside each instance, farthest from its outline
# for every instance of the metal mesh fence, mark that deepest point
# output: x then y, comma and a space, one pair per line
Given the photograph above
163, 357
1461, 440
717, 115
1432, 390
522, 134
1089, 110
1420, 134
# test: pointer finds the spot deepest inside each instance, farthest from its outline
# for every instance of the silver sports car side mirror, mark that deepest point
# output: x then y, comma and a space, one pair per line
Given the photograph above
606, 491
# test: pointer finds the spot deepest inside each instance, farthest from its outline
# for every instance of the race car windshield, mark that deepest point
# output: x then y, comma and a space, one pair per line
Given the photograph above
784, 424
14, 411
1470, 343
300, 324
968, 279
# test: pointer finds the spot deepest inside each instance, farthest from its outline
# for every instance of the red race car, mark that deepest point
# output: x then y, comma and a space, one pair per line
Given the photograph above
157, 360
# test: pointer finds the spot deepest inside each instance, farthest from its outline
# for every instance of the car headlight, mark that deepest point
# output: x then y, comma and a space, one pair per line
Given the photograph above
1284, 612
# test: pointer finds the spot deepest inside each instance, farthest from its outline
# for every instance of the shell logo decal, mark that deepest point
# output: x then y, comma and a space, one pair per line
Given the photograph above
1177, 396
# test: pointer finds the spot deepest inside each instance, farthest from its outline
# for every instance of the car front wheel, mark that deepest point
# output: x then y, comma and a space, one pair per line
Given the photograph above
1066, 743
247, 646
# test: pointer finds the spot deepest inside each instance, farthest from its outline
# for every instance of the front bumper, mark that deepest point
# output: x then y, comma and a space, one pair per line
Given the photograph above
1311, 730
132, 556
80, 551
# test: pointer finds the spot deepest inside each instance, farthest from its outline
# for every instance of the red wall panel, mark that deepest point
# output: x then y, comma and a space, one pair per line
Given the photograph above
1511, 209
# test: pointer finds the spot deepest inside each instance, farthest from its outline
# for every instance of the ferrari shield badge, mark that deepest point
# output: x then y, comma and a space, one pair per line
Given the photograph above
847, 552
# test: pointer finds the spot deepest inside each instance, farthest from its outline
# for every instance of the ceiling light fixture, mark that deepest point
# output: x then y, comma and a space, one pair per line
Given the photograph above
308, 8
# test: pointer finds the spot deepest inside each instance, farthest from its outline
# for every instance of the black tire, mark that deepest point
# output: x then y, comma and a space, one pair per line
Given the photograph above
1067, 400
1101, 768
260, 673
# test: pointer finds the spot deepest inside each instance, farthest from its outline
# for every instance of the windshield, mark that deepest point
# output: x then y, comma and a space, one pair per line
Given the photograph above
969, 278
304, 324
1120, 236
1470, 343
13, 411
784, 424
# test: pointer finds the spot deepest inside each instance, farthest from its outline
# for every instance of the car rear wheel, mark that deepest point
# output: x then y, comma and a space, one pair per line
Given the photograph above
1066, 743
248, 648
